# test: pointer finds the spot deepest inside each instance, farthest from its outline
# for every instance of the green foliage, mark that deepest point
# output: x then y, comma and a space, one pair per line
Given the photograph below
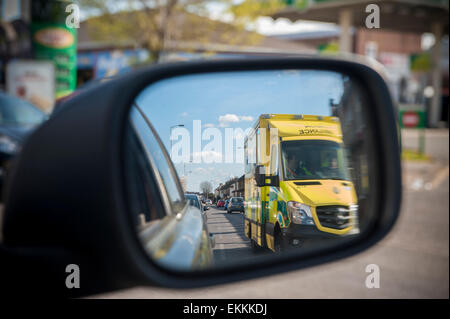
159, 24
249, 10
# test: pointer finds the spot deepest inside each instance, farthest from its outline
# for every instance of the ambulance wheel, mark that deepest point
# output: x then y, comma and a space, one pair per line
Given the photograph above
255, 247
281, 243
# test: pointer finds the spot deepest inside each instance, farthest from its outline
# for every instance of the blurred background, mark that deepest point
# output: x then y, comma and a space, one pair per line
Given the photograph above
53, 49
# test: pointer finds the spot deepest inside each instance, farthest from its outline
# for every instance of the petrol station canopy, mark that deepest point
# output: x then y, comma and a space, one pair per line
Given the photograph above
398, 15
408, 16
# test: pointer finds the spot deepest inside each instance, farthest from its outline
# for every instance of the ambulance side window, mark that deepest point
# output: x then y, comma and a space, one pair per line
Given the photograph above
274, 160
247, 166
250, 153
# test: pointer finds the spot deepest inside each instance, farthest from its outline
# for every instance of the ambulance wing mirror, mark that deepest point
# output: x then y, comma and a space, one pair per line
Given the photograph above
260, 174
272, 180
263, 179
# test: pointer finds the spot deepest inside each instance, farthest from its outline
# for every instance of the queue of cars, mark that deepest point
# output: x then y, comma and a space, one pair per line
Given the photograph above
232, 204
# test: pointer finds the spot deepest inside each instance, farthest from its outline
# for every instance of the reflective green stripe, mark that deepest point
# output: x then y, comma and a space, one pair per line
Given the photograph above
282, 208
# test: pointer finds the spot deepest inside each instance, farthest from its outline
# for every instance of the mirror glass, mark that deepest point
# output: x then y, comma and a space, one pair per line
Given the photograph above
227, 167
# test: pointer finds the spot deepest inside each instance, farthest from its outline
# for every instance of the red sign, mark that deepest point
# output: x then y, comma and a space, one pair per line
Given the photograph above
410, 119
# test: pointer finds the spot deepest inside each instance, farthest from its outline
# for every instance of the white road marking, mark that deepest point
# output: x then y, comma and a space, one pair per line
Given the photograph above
417, 184
440, 177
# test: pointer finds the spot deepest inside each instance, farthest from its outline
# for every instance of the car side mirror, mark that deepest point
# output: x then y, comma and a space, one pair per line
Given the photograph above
123, 218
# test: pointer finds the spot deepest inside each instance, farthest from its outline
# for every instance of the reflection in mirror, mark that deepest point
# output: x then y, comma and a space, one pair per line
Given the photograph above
258, 163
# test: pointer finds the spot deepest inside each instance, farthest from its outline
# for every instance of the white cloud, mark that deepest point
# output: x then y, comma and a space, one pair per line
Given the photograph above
208, 125
207, 156
225, 120
246, 118
184, 114
204, 170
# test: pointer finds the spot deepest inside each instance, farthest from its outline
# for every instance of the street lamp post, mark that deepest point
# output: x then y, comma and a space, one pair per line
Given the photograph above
184, 168
170, 137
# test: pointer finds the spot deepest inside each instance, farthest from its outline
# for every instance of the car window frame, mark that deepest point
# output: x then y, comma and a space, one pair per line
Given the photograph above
162, 187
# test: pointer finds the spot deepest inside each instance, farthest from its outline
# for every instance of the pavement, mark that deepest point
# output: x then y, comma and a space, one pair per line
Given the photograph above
435, 145
413, 258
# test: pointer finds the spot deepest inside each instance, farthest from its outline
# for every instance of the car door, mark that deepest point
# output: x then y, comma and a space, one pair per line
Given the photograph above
182, 231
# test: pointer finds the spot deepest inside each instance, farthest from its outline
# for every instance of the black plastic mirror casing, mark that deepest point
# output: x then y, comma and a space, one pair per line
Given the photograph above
265, 179
66, 201
259, 177
272, 180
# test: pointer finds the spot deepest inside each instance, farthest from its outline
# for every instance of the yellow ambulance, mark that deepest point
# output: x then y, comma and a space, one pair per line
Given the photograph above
298, 188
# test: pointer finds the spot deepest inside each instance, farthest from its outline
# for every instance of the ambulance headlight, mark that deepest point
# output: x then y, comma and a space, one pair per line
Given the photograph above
300, 213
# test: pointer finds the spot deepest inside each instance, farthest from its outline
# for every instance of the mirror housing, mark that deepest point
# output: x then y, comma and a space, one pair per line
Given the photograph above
263, 179
49, 227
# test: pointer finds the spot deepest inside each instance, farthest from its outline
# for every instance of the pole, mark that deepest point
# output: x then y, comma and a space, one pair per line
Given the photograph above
345, 36
170, 137
436, 77
421, 141
55, 40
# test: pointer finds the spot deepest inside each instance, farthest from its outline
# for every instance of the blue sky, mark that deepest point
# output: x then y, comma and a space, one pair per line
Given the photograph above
235, 100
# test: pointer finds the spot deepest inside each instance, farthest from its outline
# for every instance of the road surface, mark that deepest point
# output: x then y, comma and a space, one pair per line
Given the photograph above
228, 229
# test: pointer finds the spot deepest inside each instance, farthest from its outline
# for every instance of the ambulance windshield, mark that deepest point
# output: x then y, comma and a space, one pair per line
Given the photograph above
314, 159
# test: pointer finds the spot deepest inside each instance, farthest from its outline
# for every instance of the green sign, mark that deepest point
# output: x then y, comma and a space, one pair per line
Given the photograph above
413, 119
53, 40
299, 4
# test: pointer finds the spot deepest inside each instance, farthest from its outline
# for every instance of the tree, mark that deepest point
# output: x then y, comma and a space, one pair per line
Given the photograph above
154, 24
246, 12
206, 188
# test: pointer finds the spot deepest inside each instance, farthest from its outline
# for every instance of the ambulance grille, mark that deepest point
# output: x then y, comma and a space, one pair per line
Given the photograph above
337, 217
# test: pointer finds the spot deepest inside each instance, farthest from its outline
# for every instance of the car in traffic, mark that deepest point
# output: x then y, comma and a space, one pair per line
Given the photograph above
235, 204
146, 156
194, 200
18, 118
220, 203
